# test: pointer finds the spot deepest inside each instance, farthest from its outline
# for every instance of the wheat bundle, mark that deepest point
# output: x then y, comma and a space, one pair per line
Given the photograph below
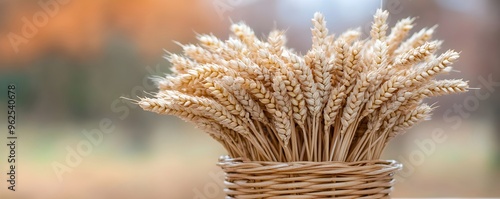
344, 100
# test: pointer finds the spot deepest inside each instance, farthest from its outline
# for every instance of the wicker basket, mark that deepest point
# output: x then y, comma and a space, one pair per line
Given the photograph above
273, 180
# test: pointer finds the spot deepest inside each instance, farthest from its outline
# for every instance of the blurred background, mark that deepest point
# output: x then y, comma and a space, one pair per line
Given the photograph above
71, 60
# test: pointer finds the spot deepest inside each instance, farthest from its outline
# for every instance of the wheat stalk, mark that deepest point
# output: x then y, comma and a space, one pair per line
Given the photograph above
344, 100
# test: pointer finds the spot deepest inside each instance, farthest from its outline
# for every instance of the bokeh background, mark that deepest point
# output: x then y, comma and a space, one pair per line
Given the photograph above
80, 56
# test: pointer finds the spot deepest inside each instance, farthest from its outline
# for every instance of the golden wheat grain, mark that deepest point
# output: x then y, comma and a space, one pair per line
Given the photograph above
226, 99
244, 99
277, 42
416, 55
235, 49
244, 33
318, 62
201, 55
306, 80
351, 67
379, 26
350, 70
329, 40
402, 96
333, 106
444, 87
406, 121
399, 33
341, 53
416, 40
319, 32
285, 79
180, 65
344, 100
432, 68
195, 76
253, 44
321, 68
211, 42
208, 108
380, 58
383, 94
350, 36
214, 129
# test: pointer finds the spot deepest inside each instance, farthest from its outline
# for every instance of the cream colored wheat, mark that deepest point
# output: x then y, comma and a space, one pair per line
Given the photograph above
344, 100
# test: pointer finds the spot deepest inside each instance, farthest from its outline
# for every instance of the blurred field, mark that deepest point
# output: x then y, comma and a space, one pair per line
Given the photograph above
179, 163
71, 73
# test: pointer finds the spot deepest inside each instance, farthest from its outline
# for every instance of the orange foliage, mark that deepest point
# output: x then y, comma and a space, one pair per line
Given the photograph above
82, 28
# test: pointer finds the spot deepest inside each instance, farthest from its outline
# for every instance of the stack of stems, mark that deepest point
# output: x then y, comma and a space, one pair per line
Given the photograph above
344, 100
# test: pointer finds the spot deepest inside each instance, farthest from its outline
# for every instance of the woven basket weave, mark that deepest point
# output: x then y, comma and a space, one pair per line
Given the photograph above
293, 180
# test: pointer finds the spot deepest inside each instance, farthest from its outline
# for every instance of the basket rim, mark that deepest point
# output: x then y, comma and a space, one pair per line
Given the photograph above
371, 167
223, 160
